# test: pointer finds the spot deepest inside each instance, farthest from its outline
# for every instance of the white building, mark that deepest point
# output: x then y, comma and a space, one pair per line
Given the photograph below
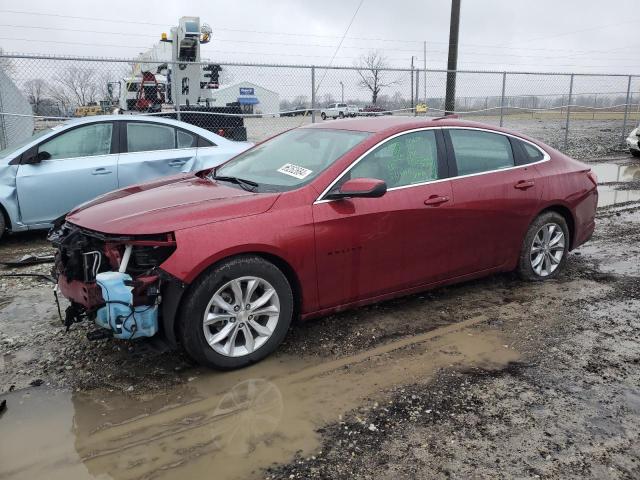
252, 98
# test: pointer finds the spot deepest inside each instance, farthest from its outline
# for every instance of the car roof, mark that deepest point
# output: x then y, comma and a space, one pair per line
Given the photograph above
217, 139
389, 125
382, 124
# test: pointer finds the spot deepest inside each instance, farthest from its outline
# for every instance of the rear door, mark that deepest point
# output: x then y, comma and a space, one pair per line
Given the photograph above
495, 198
82, 164
151, 150
367, 247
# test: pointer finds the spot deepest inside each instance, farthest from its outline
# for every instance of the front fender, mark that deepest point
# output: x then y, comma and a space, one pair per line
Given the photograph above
9, 195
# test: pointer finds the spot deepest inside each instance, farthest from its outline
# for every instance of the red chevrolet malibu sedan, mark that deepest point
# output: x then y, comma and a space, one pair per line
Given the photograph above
315, 220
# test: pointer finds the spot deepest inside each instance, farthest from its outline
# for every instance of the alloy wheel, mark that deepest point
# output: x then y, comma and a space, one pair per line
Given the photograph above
547, 249
241, 316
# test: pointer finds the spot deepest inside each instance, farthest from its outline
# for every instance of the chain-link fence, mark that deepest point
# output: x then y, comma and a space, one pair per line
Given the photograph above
582, 114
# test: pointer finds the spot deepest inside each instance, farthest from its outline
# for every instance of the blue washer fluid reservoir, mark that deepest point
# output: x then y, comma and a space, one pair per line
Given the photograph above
118, 315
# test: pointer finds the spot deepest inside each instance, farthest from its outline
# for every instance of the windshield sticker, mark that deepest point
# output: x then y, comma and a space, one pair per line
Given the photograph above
295, 171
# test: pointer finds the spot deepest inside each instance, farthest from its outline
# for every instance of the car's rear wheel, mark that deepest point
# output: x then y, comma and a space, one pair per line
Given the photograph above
3, 225
323, 116
544, 248
236, 314
341, 115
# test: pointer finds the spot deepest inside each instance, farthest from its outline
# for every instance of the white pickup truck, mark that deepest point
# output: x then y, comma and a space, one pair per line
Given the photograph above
339, 110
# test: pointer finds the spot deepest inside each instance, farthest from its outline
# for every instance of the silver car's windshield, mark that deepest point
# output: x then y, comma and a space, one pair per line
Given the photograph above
7, 152
291, 159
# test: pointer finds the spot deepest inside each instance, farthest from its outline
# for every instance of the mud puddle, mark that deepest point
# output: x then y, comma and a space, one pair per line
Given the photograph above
223, 425
615, 180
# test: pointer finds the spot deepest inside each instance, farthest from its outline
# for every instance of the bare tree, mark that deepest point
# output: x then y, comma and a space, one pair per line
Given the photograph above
373, 76
7, 65
328, 99
36, 91
76, 86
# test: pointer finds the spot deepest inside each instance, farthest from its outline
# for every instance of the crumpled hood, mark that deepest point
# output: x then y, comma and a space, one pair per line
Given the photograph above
167, 205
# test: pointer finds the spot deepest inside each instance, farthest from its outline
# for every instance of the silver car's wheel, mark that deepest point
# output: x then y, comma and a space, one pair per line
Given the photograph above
547, 249
241, 316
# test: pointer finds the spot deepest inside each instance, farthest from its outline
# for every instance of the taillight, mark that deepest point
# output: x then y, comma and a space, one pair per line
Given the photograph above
593, 177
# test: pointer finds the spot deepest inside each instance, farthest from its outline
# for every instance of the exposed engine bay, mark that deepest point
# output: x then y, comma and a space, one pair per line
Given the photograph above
111, 280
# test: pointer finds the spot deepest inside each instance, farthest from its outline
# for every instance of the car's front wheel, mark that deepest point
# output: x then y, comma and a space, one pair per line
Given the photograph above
544, 248
236, 314
3, 225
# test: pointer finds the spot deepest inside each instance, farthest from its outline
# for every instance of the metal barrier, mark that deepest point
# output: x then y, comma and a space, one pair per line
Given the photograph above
589, 114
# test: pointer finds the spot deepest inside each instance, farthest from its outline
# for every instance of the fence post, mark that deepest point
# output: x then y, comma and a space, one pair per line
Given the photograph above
415, 111
626, 110
313, 94
566, 125
504, 85
175, 90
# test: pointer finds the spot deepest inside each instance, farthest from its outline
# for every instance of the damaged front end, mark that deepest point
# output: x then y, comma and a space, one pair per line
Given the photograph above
113, 280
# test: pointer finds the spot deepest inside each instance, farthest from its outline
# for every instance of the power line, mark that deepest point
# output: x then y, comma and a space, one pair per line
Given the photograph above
264, 32
317, 45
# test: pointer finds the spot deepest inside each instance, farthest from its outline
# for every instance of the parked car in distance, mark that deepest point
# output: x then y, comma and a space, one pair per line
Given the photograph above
335, 110
633, 142
301, 110
373, 111
316, 220
56, 169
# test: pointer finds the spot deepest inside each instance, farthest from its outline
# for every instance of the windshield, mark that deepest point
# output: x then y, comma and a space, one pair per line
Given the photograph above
7, 152
291, 159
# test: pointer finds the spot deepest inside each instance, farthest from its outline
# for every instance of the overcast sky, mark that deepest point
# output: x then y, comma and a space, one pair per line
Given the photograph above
540, 35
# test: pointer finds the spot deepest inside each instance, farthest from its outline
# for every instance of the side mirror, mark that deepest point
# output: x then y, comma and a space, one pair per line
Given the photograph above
360, 187
36, 157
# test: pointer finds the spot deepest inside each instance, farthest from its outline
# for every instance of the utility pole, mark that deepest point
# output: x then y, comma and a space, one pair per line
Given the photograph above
452, 64
342, 96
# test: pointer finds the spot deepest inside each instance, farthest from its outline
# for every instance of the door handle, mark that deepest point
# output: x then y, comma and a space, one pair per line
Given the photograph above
524, 184
100, 171
435, 200
177, 163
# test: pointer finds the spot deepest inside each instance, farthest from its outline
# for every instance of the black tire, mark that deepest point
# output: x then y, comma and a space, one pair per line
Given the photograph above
635, 153
3, 225
200, 293
341, 115
525, 269
323, 116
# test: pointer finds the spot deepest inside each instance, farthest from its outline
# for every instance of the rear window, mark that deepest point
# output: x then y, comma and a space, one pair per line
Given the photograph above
532, 154
478, 151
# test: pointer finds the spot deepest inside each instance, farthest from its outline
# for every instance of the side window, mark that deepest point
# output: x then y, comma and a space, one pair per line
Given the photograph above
203, 142
186, 139
404, 160
144, 137
86, 141
477, 151
531, 153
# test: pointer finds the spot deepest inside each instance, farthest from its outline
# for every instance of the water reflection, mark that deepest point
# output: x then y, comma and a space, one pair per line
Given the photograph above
612, 172
226, 425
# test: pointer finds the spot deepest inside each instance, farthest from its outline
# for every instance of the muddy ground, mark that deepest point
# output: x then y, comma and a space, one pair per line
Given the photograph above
494, 378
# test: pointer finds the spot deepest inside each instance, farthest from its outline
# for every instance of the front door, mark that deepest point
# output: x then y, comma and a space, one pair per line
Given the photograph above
79, 167
367, 247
